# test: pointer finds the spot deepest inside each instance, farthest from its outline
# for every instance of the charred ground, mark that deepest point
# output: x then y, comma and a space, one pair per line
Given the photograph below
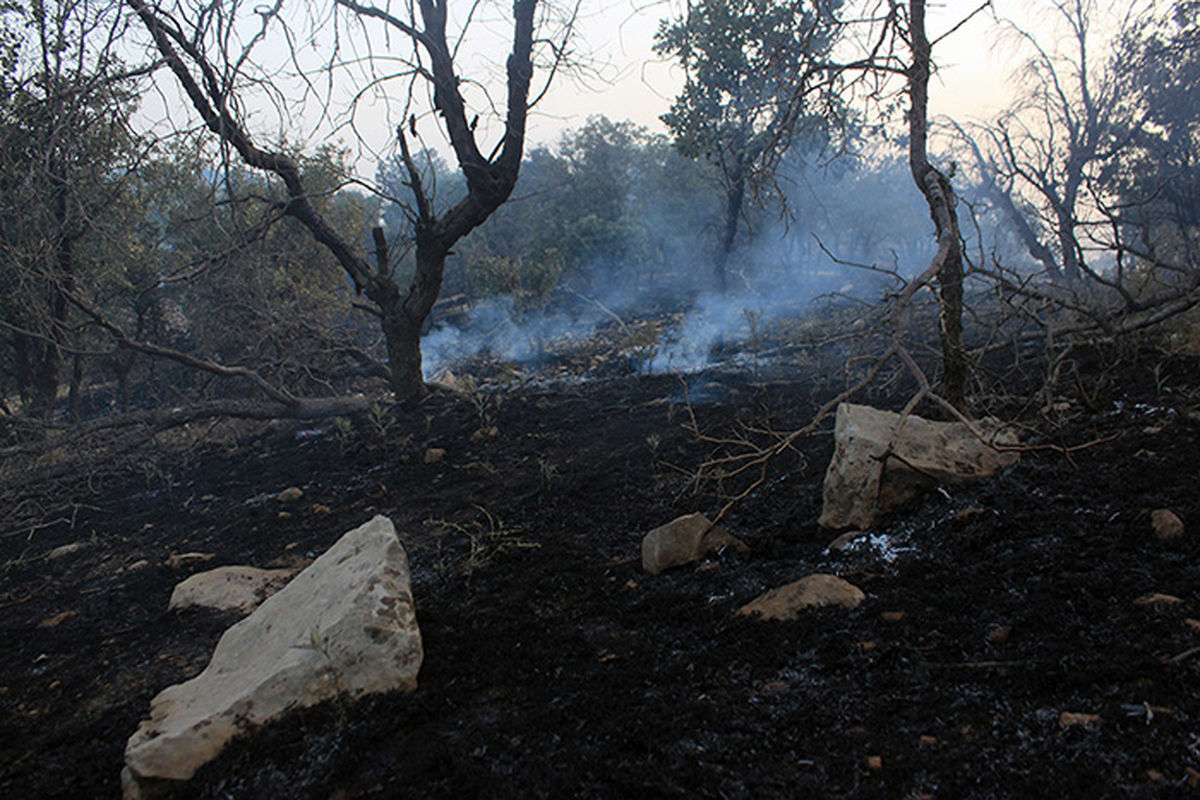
555, 668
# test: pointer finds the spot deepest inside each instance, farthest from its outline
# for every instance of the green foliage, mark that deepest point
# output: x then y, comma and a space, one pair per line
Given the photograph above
528, 281
252, 286
606, 205
66, 212
1157, 70
743, 61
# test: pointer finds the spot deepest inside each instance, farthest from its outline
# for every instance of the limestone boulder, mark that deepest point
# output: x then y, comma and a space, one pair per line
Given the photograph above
240, 589
814, 591
344, 627
859, 486
684, 540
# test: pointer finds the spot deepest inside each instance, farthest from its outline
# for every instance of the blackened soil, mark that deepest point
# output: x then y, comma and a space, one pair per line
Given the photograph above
555, 668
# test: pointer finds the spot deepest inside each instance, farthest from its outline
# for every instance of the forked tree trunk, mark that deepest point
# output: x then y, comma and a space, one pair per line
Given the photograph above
490, 179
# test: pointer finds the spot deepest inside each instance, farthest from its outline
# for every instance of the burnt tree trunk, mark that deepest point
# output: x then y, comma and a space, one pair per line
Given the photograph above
36, 364
939, 196
735, 199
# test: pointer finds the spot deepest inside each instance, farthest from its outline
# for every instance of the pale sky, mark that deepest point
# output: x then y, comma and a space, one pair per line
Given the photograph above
971, 81
623, 80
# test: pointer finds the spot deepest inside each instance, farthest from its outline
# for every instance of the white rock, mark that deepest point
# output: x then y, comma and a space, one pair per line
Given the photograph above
229, 588
859, 487
345, 626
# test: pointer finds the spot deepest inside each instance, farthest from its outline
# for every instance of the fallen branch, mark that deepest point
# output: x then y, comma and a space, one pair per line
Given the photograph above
136, 428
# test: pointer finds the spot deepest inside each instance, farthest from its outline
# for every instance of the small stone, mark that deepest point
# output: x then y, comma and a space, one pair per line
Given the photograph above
239, 589
1193, 779
968, 514
57, 619
891, 616
867, 647
684, 540
786, 602
141, 563
65, 550
1155, 776
1152, 430
875, 763
178, 560
290, 494
928, 740
630, 585
1000, 634
435, 455
1157, 599
485, 433
1167, 525
1070, 719
1194, 624
844, 541
320, 509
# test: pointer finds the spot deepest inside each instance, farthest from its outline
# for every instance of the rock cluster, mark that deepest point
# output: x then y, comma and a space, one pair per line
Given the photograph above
344, 627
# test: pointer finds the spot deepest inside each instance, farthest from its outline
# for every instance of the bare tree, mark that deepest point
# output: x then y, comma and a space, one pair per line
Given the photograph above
1083, 169
893, 46
1042, 153
197, 53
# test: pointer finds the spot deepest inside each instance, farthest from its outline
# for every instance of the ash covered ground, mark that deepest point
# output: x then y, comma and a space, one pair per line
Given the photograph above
555, 668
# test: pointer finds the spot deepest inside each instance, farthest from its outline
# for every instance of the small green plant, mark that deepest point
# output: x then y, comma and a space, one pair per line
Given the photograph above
643, 346
343, 434
487, 538
1161, 386
154, 473
653, 440
549, 471
382, 419
487, 408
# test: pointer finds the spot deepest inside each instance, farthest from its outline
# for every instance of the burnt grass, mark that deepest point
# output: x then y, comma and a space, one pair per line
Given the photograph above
555, 668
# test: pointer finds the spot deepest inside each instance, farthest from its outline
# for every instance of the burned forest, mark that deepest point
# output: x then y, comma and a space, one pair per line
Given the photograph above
375, 423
